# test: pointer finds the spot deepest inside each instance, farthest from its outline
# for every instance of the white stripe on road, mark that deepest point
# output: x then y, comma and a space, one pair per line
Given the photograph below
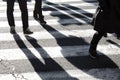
63, 1
49, 22
93, 74
56, 52
31, 5
46, 13
46, 35
20, 76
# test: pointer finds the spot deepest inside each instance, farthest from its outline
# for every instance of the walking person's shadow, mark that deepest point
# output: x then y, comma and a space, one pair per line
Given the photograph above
81, 62
77, 15
48, 65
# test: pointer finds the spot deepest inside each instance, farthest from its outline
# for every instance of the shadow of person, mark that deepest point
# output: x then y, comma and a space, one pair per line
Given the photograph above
60, 12
48, 65
81, 62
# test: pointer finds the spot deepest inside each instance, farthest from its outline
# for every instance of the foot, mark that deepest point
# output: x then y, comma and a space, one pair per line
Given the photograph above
105, 35
93, 54
118, 36
12, 30
42, 21
27, 31
35, 15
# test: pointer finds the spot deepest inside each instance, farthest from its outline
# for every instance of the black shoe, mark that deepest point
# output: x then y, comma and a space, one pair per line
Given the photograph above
27, 31
105, 35
93, 54
42, 22
35, 15
12, 30
118, 36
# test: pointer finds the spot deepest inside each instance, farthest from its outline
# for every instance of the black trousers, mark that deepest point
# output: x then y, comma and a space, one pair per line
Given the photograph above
24, 11
38, 8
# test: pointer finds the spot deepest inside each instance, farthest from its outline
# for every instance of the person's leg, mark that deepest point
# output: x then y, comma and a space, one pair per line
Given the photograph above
38, 11
94, 42
24, 11
36, 8
10, 16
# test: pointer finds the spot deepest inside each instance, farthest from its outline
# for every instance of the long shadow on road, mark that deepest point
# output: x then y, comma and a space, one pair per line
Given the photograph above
81, 62
77, 15
49, 65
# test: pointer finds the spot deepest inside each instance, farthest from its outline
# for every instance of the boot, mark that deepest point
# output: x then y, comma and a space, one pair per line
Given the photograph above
92, 50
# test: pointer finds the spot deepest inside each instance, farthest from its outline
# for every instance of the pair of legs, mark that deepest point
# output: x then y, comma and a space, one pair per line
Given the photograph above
94, 42
24, 15
37, 13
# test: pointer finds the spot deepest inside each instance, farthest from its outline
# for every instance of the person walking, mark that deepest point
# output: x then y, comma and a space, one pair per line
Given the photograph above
107, 21
37, 13
24, 12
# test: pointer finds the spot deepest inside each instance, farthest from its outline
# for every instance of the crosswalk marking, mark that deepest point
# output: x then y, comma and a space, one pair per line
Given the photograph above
31, 5
56, 75
67, 51
50, 12
46, 35
24, 57
49, 22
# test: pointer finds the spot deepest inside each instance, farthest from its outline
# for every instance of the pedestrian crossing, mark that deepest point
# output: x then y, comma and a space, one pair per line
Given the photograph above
59, 50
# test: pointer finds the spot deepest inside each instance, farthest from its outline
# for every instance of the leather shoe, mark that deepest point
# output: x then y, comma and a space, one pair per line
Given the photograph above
42, 22
105, 35
27, 31
118, 36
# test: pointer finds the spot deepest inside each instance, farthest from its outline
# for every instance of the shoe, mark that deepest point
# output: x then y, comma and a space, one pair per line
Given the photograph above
27, 31
93, 54
118, 36
12, 30
105, 35
35, 15
42, 21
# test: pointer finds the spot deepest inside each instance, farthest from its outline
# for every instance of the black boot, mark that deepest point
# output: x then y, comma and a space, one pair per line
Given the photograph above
92, 50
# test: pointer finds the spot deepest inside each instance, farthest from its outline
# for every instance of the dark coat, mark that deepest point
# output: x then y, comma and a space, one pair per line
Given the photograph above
107, 17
